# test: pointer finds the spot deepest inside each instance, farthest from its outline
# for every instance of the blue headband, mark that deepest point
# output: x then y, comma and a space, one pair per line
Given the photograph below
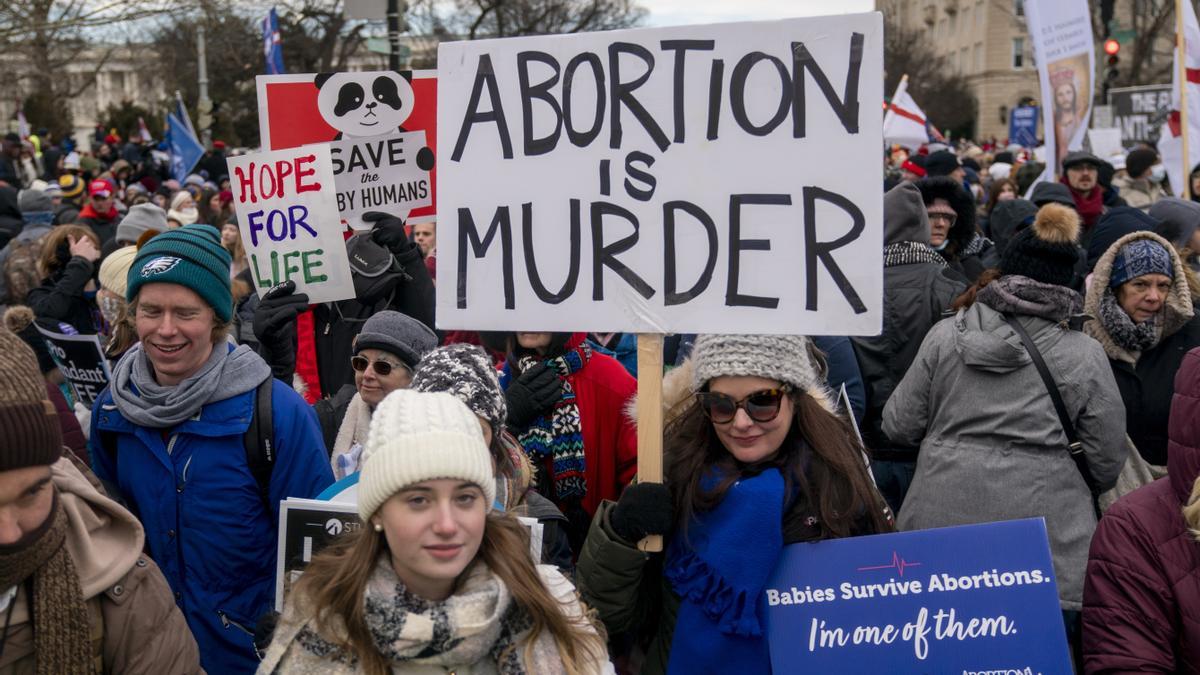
1138, 258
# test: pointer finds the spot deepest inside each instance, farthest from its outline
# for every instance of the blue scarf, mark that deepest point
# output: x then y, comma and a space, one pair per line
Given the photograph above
719, 569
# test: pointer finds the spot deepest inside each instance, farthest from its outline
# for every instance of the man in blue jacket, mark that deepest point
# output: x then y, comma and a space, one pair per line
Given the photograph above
171, 434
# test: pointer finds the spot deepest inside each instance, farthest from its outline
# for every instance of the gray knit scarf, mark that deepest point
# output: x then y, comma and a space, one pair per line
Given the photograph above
142, 400
1130, 336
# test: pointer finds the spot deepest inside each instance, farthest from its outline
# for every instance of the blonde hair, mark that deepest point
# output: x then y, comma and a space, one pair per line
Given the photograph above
330, 593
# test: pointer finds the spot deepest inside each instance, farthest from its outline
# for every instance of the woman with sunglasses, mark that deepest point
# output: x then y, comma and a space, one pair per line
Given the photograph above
386, 353
755, 459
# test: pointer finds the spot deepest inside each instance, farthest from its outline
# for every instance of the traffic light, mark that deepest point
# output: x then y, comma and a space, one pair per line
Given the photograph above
1113, 49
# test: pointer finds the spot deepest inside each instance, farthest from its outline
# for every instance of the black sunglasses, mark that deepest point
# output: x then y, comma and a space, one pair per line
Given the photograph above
761, 406
382, 368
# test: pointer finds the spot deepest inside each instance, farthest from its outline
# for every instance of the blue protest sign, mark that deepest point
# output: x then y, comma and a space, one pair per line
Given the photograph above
1022, 126
975, 598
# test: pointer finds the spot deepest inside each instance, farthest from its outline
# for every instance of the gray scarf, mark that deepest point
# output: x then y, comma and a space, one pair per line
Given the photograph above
1016, 294
1130, 336
145, 402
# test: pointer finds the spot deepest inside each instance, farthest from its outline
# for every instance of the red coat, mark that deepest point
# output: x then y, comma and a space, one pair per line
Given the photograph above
1141, 596
602, 389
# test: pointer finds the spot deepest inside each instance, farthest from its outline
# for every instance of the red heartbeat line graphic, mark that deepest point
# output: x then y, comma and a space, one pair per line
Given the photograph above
897, 564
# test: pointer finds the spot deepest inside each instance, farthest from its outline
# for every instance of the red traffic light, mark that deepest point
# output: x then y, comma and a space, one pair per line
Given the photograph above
1111, 47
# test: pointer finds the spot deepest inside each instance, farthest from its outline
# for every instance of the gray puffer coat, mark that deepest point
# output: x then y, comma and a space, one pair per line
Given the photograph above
992, 447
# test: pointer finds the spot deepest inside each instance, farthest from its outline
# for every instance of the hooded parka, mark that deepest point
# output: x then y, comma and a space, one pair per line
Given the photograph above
136, 626
1141, 597
1145, 377
992, 447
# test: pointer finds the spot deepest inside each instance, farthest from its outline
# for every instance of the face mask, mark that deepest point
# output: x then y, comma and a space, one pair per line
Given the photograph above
1157, 173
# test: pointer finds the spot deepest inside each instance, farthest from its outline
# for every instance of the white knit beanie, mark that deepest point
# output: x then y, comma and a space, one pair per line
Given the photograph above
417, 436
785, 358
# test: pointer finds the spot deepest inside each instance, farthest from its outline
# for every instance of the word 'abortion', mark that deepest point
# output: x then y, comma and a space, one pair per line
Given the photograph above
616, 83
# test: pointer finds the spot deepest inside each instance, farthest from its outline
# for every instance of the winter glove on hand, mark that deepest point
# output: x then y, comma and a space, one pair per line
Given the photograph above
389, 231
644, 508
275, 327
532, 394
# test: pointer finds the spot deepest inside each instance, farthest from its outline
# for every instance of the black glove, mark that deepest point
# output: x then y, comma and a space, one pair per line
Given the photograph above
531, 394
388, 231
644, 508
275, 327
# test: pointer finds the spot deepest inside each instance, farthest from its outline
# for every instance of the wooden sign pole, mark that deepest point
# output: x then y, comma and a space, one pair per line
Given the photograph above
650, 419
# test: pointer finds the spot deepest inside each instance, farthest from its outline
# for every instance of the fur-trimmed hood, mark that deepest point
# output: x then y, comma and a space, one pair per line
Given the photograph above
1177, 310
952, 191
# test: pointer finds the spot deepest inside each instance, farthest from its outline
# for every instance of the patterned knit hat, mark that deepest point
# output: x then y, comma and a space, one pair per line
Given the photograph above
72, 186
28, 422
1045, 251
191, 256
1138, 258
786, 358
419, 436
466, 373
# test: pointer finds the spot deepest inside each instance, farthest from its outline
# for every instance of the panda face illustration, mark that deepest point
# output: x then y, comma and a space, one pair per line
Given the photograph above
365, 104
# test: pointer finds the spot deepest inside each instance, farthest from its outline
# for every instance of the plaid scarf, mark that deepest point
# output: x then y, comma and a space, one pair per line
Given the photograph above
559, 434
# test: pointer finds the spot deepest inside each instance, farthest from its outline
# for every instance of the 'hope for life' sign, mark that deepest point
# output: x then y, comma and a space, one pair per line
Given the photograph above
687, 179
289, 221
976, 598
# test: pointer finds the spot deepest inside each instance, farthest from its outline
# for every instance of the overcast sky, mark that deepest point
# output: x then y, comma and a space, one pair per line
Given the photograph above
683, 12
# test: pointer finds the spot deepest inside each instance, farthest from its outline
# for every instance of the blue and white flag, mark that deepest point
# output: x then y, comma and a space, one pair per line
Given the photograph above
185, 149
272, 49
181, 114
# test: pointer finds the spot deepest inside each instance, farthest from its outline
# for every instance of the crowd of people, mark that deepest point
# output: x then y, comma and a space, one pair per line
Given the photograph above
1039, 357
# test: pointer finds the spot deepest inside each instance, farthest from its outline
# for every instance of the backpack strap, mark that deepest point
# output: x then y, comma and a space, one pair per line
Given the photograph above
1074, 446
260, 441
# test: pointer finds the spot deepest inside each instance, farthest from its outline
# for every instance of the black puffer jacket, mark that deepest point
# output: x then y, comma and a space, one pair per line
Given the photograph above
969, 266
406, 288
915, 294
61, 297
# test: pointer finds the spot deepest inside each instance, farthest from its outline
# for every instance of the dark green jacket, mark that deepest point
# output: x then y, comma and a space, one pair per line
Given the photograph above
627, 589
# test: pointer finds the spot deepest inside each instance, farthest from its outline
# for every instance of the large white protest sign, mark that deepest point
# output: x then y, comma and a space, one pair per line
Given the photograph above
287, 212
718, 178
380, 174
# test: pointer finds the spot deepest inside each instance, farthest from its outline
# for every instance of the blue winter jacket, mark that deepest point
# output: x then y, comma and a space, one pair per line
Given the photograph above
206, 525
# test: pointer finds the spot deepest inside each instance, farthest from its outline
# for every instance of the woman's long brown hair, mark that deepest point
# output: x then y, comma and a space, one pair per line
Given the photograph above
821, 457
967, 297
331, 590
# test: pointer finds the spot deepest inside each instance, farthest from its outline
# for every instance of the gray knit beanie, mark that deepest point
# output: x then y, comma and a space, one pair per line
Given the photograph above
786, 358
33, 201
138, 220
398, 334
466, 373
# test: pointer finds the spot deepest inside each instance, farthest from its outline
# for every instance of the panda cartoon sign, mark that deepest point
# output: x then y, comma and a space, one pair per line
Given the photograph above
380, 127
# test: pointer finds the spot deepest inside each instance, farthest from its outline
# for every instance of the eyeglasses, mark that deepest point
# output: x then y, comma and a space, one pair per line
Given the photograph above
382, 368
761, 406
948, 217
